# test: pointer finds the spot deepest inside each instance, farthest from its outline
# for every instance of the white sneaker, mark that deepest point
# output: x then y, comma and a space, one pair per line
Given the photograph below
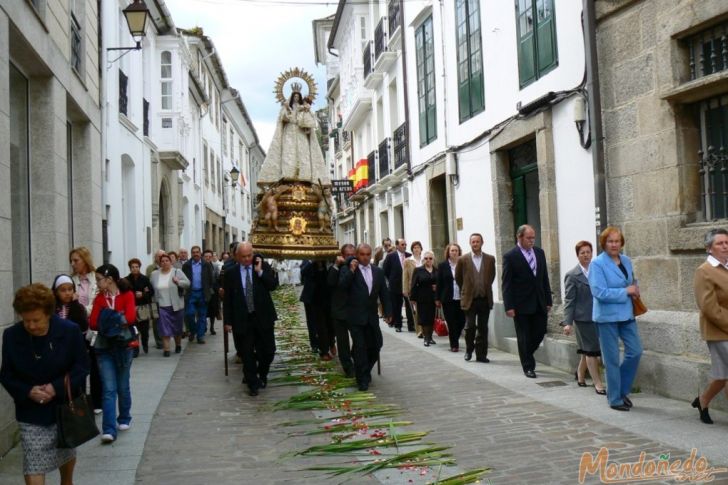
97, 411
107, 438
124, 427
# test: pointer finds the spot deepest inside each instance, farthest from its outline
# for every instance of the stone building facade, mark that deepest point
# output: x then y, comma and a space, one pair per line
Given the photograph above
50, 154
663, 67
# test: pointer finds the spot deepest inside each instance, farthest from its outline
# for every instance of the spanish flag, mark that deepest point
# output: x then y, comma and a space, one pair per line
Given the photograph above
359, 174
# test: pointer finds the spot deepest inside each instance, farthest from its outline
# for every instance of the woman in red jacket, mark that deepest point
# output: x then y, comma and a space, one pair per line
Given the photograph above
114, 361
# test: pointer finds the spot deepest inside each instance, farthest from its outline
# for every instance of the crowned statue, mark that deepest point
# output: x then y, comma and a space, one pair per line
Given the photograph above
294, 204
294, 152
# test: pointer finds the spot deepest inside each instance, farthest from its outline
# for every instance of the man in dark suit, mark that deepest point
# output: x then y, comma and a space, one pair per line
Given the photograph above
339, 310
393, 267
249, 313
308, 278
202, 284
527, 295
364, 284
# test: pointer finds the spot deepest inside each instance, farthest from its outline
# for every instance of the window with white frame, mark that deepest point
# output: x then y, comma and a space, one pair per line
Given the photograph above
224, 138
166, 80
206, 163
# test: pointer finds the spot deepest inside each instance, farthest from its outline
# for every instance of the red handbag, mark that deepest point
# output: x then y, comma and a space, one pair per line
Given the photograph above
440, 326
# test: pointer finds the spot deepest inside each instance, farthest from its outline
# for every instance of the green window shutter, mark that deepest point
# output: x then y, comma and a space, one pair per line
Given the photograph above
476, 93
546, 36
526, 42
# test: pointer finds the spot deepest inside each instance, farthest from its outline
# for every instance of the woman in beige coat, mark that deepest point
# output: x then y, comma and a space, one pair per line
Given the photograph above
410, 265
711, 295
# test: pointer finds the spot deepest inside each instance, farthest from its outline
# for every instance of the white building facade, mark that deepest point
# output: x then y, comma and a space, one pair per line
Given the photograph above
174, 130
50, 155
489, 95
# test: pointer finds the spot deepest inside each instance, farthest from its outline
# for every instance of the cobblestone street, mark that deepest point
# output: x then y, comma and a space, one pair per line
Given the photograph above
207, 430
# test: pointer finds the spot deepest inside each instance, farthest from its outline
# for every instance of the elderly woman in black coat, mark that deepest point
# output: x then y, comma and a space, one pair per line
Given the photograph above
423, 295
37, 354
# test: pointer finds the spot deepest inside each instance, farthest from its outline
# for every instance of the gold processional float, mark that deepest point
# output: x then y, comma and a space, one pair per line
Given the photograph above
294, 205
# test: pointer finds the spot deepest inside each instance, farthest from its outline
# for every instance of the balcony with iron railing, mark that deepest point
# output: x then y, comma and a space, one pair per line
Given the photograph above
384, 165
400, 142
394, 20
384, 53
371, 168
367, 60
380, 38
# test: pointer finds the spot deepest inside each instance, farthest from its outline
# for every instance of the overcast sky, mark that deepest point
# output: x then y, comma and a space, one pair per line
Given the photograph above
257, 40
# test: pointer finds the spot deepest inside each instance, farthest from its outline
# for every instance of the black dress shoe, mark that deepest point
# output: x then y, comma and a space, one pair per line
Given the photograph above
627, 402
177, 349
145, 348
166, 353
398, 330
620, 407
427, 343
531, 374
704, 416
349, 373
363, 386
485, 360
263, 382
252, 392
212, 332
433, 342
468, 356
601, 392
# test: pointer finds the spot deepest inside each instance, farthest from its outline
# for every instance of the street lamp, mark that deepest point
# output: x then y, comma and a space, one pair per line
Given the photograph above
234, 174
136, 15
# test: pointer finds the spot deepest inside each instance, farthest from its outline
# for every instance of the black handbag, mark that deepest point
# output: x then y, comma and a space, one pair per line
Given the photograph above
76, 423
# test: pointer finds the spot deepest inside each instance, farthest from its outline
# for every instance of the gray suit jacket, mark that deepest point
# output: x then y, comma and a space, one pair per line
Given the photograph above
578, 297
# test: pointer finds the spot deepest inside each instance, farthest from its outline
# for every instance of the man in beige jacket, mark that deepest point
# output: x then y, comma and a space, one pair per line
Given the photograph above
474, 274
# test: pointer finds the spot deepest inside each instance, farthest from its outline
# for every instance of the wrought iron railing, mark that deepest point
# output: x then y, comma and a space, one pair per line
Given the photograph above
367, 60
380, 38
713, 163
394, 15
384, 168
401, 146
371, 167
123, 100
709, 51
145, 109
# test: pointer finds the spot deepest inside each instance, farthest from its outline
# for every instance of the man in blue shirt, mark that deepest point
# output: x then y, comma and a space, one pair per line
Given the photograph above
202, 277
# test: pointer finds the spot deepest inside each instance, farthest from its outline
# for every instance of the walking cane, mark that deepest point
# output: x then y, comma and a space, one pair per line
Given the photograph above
226, 348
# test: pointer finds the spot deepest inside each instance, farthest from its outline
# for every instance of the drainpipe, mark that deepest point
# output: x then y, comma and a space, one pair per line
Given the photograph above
595, 116
403, 33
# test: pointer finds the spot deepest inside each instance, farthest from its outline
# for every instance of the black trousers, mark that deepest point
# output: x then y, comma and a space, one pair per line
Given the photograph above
313, 339
324, 328
94, 379
143, 328
367, 341
259, 348
408, 312
530, 331
343, 344
455, 318
397, 299
476, 328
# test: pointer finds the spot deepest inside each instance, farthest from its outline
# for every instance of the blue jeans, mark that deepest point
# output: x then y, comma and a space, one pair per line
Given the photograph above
115, 370
620, 376
196, 306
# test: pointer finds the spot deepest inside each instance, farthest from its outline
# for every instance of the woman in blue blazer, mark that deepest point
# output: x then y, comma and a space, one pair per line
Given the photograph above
613, 286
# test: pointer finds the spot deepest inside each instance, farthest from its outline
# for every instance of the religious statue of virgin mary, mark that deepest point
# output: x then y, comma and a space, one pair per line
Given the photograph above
294, 153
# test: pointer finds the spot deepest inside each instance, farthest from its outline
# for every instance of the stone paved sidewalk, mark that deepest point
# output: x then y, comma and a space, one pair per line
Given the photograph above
206, 430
